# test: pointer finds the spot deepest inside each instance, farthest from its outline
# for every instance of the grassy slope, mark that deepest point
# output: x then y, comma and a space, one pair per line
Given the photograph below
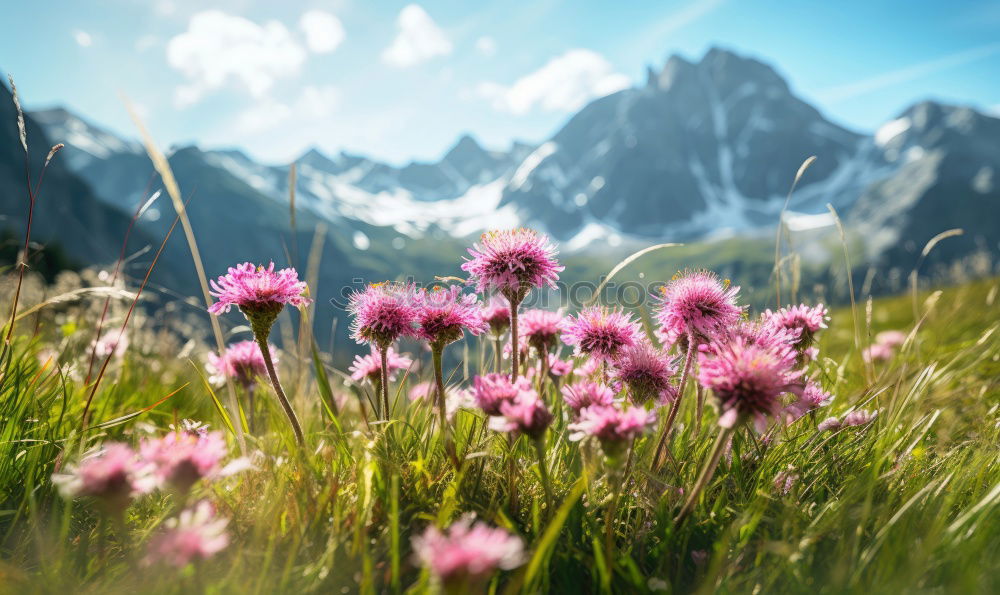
909, 503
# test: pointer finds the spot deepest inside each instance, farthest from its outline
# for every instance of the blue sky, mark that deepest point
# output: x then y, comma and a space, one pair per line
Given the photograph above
402, 81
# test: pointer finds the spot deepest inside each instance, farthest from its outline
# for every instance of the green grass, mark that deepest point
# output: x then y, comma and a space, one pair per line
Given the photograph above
910, 503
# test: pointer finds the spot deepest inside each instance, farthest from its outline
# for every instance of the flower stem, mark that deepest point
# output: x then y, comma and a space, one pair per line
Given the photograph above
657, 458
546, 480
498, 352
515, 352
609, 516
449, 445
384, 383
706, 472
273, 375
700, 410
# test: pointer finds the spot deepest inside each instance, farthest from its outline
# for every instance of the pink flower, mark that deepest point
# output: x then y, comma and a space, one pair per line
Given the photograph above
421, 391
496, 313
370, 366
180, 459
581, 395
525, 414
878, 352
110, 344
748, 380
831, 423
196, 534
646, 372
467, 553
512, 262
588, 368
253, 288
698, 304
891, 338
612, 426
242, 362
859, 417
784, 481
493, 390
812, 398
444, 313
802, 318
559, 367
112, 475
540, 328
382, 313
600, 333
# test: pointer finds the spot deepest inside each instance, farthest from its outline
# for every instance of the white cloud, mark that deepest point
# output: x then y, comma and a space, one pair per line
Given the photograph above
82, 38
419, 39
219, 49
313, 103
324, 31
486, 46
564, 84
906, 74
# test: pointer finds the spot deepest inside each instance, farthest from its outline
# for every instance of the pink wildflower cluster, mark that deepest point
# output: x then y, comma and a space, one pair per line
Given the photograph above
697, 304
383, 313
242, 363
496, 313
442, 314
467, 553
512, 262
858, 417
525, 414
804, 321
884, 347
646, 372
179, 459
540, 328
601, 333
612, 426
112, 475
493, 390
582, 395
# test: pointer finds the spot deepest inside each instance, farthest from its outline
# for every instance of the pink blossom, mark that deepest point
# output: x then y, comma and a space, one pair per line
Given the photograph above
588, 368
646, 371
444, 313
859, 417
748, 380
698, 304
559, 367
113, 343
370, 366
600, 333
802, 318
611, 425
467, 553
812, 398
195, 534
891, 338
784, 481
251, 288
878, 352
382, 313
581, 395
512, 262
242, 362
112, 474
525, 414
540, 328
496, 313
493, 390
180, 459
831, 423
421, 391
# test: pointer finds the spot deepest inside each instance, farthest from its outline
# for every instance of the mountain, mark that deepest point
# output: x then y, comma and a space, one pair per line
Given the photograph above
702, 149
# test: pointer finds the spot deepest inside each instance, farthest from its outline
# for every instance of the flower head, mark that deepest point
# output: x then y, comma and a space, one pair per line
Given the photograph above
196, 534
559, 367
112, 475
421, 391
382, 313
467, 553
614, 428
601, 333
492, 390
698, 304
525, 414
891, 338
812, 398
112, 343
370, 366
806, 320
540, 328
512, 262
748, 380
496, 313
180, 459
242, 362
444, 313
859, 417
260, 293
646, 371
831, 423
784, 481
581, 395
878, 352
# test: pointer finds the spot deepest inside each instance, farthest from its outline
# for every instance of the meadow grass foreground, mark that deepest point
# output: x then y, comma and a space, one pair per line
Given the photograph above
705, 448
